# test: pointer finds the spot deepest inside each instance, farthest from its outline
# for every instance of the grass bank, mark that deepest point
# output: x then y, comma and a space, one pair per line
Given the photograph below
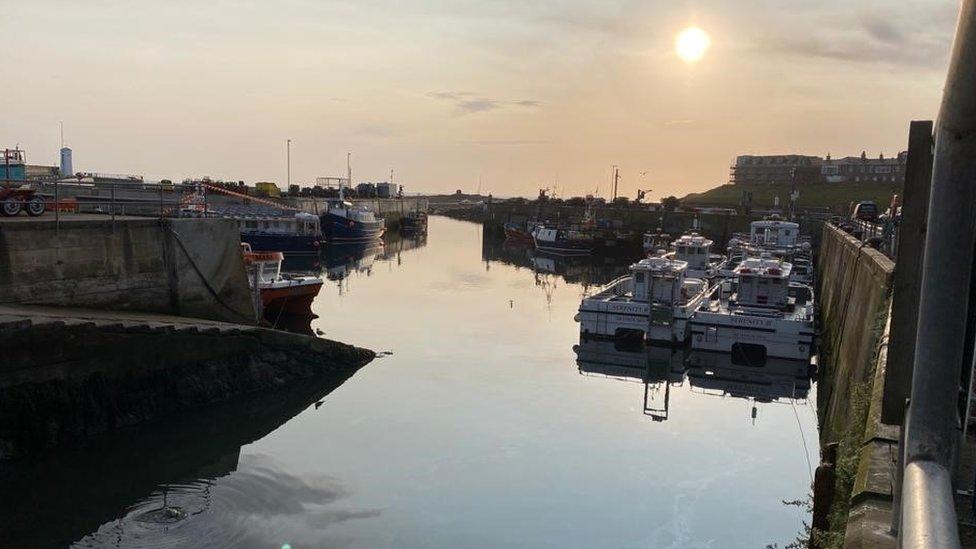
829, 195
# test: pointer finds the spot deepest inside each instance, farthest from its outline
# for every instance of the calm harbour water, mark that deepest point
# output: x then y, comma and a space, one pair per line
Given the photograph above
478, 427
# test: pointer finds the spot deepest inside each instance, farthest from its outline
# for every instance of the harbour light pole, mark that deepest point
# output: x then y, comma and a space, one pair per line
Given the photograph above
288, 162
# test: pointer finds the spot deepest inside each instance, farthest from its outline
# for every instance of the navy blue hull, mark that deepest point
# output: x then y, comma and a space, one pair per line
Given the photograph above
338, 229
289, 244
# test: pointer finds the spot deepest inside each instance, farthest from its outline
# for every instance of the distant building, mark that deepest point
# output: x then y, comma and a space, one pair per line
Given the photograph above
857, 169
12, 165
775, 170
385, 189
66, 167
805, 170
366, 190
42, 173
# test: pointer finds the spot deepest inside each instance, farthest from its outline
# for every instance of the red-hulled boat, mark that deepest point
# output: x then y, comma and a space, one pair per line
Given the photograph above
288, 294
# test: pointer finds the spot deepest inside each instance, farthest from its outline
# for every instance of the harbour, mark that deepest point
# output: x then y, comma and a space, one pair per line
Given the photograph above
463, 405
429, 275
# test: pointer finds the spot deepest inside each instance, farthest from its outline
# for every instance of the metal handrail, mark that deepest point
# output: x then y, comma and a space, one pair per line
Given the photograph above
927, 511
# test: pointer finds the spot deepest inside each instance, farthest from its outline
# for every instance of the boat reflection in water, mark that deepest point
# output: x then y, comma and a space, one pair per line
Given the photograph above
775, 381
588, 271
659, 368
173, 482
339, 263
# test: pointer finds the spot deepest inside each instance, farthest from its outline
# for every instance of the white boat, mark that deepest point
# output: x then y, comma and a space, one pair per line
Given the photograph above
653, 242
696, 250
653, 303
765, 316
780, 239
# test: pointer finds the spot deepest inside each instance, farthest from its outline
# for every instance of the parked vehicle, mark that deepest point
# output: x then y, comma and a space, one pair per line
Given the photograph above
865, 210
15, 199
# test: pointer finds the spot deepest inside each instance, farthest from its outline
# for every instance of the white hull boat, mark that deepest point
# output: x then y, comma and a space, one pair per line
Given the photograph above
761, 319
654, 303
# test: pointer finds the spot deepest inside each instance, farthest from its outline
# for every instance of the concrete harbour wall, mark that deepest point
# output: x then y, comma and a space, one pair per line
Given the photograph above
855, 284
75, 373
189, 267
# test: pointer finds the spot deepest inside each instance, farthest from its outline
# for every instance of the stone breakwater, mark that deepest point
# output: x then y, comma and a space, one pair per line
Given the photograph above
69, 374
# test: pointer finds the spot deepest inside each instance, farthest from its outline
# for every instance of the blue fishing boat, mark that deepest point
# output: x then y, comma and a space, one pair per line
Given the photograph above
343, 222
297, 234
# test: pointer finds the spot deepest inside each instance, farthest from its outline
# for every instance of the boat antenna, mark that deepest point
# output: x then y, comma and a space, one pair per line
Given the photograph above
348, 176
61, 123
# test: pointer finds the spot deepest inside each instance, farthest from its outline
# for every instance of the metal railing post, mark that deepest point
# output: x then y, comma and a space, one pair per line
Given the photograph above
57, 210
112, 204
927, 499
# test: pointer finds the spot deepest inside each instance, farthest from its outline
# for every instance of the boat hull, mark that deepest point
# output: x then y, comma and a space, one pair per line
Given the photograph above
410, 225
295, 298
517, 234
616, 321
564, 247
338, 229
289, 244
726, 333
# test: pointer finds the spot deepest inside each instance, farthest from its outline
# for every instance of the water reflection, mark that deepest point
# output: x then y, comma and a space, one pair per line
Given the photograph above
478, 431
171, 483
341, 262
587, 271
658, 368
714, 374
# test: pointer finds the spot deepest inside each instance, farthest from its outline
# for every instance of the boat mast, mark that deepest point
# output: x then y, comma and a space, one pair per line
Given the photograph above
348, 175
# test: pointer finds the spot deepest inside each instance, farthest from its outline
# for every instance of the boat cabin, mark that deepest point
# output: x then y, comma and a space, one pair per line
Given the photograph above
658, 280
763, 282
693, 249
301, 224
346, 209
773, 233
267, 264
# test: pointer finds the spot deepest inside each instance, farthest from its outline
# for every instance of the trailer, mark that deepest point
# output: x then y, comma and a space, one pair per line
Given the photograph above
15, 199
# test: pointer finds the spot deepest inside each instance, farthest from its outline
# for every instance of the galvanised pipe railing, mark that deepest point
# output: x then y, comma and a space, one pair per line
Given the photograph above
928, 517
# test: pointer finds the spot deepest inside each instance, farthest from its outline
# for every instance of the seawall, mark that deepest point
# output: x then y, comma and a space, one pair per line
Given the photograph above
190, 267
717, 226
853, 491
76, 373
854, 288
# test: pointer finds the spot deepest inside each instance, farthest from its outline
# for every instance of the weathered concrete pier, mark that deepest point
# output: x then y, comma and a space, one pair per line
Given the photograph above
75, 373
113, 321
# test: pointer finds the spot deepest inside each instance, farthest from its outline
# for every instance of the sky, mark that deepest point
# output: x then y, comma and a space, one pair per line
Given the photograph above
517, 95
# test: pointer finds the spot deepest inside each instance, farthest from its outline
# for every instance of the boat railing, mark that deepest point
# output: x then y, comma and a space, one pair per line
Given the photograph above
616, 287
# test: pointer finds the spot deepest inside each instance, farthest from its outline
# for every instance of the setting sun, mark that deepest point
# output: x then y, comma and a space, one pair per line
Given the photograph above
691, 44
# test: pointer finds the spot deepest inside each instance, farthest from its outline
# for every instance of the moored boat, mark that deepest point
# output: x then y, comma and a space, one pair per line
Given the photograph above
763, 316
696, 250
654, 303
562, 241
291, 234
280, 293
415, 222
343, 222
520, 232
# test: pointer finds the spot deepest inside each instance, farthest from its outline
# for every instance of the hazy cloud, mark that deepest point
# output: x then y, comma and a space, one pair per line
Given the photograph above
467, 102
514, 142
904, 39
